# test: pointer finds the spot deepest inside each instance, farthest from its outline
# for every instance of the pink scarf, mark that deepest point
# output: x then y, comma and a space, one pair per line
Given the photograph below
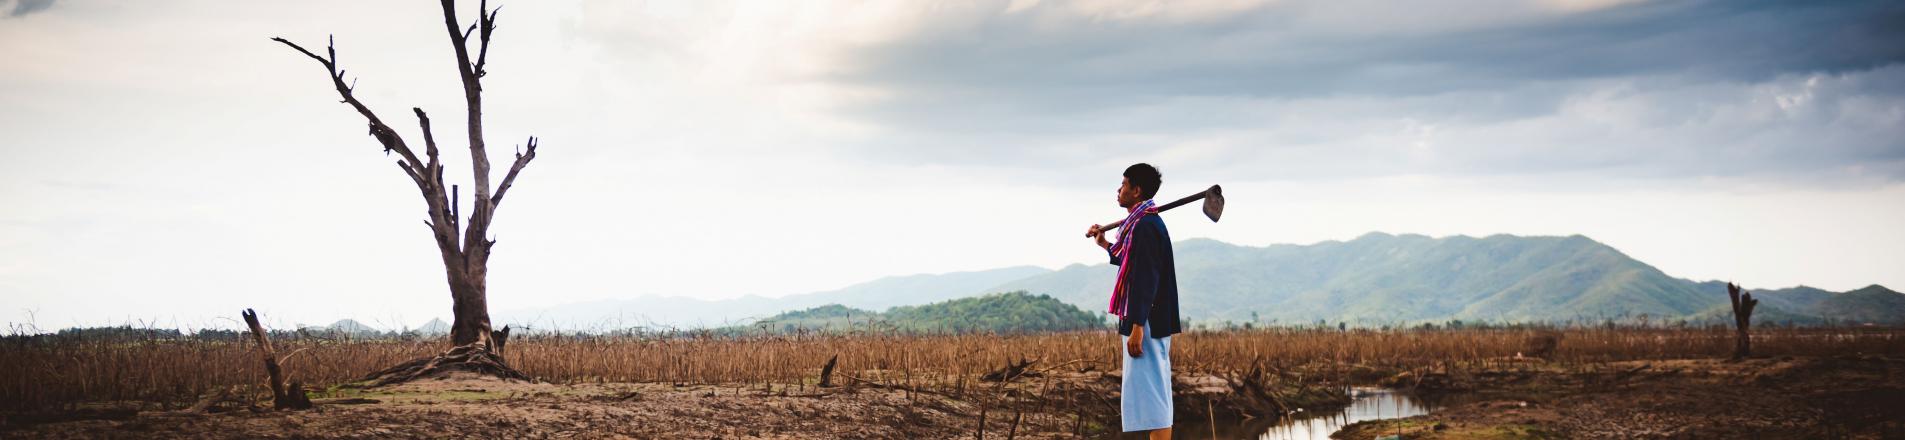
1122, 251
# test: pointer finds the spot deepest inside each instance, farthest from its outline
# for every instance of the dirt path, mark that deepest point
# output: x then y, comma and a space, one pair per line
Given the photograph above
1840, 397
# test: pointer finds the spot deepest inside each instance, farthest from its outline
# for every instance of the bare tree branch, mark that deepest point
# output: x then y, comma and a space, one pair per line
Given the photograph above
455, 206
475, 246
429, 141
488, 19
384, 134
327, 63
427, 177
414, 177
522, 160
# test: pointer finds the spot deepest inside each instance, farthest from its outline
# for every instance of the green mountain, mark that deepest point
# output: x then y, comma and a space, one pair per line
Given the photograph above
1376, 279
1872, 304
679, 312
1010, 312
1792, 305
1383, 279
916, 289
831, 317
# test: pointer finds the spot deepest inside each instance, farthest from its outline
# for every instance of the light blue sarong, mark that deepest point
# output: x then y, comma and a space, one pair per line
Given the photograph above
1146, 399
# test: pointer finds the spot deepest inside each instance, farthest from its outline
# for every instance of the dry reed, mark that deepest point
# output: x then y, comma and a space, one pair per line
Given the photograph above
171, 373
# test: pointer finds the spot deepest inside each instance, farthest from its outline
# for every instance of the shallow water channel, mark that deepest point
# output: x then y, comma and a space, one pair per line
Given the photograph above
1369, 403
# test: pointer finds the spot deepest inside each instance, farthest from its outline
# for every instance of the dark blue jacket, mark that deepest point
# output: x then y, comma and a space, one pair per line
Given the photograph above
1150, 287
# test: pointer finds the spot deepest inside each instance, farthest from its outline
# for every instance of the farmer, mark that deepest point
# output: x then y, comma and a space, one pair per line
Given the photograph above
1145, 300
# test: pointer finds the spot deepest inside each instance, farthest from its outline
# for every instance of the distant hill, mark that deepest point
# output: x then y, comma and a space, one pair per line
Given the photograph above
344, 327
916, 289
1804, 305
1375, 279
678, 312
436, 327
1381, 279
1010, 312
1872, 304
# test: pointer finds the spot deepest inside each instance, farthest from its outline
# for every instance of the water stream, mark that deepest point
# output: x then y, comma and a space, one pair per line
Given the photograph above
1369, 403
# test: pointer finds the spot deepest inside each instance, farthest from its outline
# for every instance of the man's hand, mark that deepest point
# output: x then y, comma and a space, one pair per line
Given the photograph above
1097, 232
1135, 344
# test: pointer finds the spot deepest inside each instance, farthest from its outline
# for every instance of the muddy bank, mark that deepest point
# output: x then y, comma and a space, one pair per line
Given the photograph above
1247, 404
1809, 397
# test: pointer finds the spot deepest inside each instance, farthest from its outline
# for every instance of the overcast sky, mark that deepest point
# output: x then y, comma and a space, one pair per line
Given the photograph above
165, 162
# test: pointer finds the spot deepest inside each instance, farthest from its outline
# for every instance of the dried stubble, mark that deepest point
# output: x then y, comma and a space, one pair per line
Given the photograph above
171, 373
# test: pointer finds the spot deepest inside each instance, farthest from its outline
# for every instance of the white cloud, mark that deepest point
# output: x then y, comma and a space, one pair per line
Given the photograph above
166, 161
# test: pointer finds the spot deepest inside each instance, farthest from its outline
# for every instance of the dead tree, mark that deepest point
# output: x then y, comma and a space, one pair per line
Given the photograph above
283, 396
1743, 304
465, 253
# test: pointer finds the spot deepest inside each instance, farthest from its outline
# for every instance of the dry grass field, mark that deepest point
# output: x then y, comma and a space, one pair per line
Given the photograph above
49, 383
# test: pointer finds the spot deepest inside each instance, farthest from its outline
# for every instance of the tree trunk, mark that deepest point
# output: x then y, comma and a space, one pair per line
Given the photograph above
826, 372
1743, 304
283, 396
470, 306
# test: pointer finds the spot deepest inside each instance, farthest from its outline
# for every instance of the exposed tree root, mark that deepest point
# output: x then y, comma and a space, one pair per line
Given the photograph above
472, 358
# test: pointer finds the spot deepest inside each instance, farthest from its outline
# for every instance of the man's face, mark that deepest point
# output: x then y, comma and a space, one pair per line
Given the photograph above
1128, 194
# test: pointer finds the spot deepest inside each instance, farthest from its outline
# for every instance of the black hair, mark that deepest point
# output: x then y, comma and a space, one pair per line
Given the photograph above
1145, 177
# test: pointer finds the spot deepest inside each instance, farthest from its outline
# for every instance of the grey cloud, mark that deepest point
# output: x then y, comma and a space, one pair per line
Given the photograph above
1798, 127
24, 7
1255, 54
1264, 94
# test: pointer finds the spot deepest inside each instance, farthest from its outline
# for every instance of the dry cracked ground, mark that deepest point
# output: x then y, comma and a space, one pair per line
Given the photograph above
1775, 398
473, 407
1857, 397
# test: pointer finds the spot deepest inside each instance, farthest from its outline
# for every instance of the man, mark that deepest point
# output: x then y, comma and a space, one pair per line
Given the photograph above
1145, 299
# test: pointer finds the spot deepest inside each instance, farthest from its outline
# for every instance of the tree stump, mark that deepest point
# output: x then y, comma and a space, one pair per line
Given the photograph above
282, 396
826, 372
1743, 304
498, 338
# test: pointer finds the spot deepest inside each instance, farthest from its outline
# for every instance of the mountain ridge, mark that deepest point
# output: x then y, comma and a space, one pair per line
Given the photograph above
1005, 312
683, 312
1379, 278
1374, 279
